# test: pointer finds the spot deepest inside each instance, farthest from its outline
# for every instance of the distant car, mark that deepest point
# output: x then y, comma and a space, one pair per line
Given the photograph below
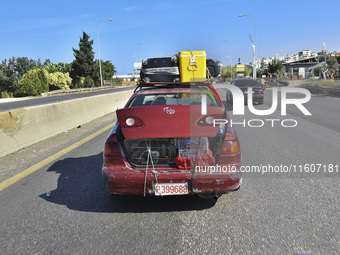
163, 145
244, 84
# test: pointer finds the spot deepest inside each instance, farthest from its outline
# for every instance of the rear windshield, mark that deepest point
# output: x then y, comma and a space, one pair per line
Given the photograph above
247, 83
172, 99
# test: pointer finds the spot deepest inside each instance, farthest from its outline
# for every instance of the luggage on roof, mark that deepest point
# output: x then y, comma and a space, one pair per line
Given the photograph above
192, 66
184, 67
212, 68
160, 70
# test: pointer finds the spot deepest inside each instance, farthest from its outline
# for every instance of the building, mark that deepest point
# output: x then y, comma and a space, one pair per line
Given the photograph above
128, 77
302, 68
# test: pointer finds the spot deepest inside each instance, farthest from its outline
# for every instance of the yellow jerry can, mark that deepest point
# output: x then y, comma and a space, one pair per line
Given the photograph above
192, 66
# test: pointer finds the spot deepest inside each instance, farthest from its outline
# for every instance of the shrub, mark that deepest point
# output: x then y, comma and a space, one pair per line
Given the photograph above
43, 77
117, 82
88, 83
59, 80
34, 82
6, 94
77, 82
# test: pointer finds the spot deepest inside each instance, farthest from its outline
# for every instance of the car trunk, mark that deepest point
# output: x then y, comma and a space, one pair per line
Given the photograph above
165, 133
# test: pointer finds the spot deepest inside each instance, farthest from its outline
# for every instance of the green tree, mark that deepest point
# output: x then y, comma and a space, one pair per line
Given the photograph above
275, 67
226, 72
321, 57
8, 77
328, 68
84, 65
249, 71
333, 66
21, 65
60, 67
338, 58
13, 70
108, 70
323, 69
34, 82
4, 81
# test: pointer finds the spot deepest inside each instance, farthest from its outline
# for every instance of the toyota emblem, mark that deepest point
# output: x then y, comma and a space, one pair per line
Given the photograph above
168, 110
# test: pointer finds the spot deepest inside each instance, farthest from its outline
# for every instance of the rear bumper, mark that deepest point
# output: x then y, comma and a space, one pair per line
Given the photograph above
130, 181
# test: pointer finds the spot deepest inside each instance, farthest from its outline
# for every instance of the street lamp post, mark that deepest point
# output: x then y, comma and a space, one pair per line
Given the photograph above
231, 68
100, 66
134, 69
254, 47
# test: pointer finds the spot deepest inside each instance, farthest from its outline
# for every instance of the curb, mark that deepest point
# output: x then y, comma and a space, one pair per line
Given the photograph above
66, 91
334, 92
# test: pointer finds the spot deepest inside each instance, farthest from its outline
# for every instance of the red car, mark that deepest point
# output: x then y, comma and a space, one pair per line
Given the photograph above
162, 144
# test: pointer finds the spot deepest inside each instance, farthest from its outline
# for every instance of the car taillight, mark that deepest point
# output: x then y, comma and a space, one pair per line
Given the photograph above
230, 147
126, 122
111, 147
112, 150
260, 91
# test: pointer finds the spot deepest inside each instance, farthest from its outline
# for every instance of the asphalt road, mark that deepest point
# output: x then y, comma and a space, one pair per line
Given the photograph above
5, 106
272, 213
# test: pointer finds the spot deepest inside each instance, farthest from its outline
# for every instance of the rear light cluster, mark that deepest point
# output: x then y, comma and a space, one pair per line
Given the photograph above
111, 147
126, 122
230, 154
230, 147
260, 91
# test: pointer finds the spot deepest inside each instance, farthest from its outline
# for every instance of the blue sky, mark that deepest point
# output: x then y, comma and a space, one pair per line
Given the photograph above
49, 29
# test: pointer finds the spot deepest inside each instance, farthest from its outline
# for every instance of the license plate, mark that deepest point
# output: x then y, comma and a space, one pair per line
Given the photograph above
166, 189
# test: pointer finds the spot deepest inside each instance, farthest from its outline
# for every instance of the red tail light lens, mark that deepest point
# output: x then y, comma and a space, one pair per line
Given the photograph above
260, 91
111, 147
112, 150
126, 122
230, 147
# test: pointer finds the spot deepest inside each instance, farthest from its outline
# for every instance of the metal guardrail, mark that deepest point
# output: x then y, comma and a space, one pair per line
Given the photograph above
61, 91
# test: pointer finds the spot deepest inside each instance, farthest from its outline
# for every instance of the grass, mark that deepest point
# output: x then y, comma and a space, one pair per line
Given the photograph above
6, 94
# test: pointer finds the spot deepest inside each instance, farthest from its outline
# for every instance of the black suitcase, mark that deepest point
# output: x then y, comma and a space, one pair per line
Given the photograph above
160, 70
212, 67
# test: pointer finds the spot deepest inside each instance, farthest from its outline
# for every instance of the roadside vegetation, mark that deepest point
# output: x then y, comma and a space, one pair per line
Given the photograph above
322, 83
273, 70
21, 76
324, 74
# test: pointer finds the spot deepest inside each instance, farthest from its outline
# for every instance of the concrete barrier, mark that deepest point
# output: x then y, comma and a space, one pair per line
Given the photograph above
20, 128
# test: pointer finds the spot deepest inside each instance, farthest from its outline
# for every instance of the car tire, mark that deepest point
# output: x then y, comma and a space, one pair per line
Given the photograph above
260, 102
229, 101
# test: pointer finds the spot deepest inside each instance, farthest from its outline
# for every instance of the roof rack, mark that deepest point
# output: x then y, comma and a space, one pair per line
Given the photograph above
141, 84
